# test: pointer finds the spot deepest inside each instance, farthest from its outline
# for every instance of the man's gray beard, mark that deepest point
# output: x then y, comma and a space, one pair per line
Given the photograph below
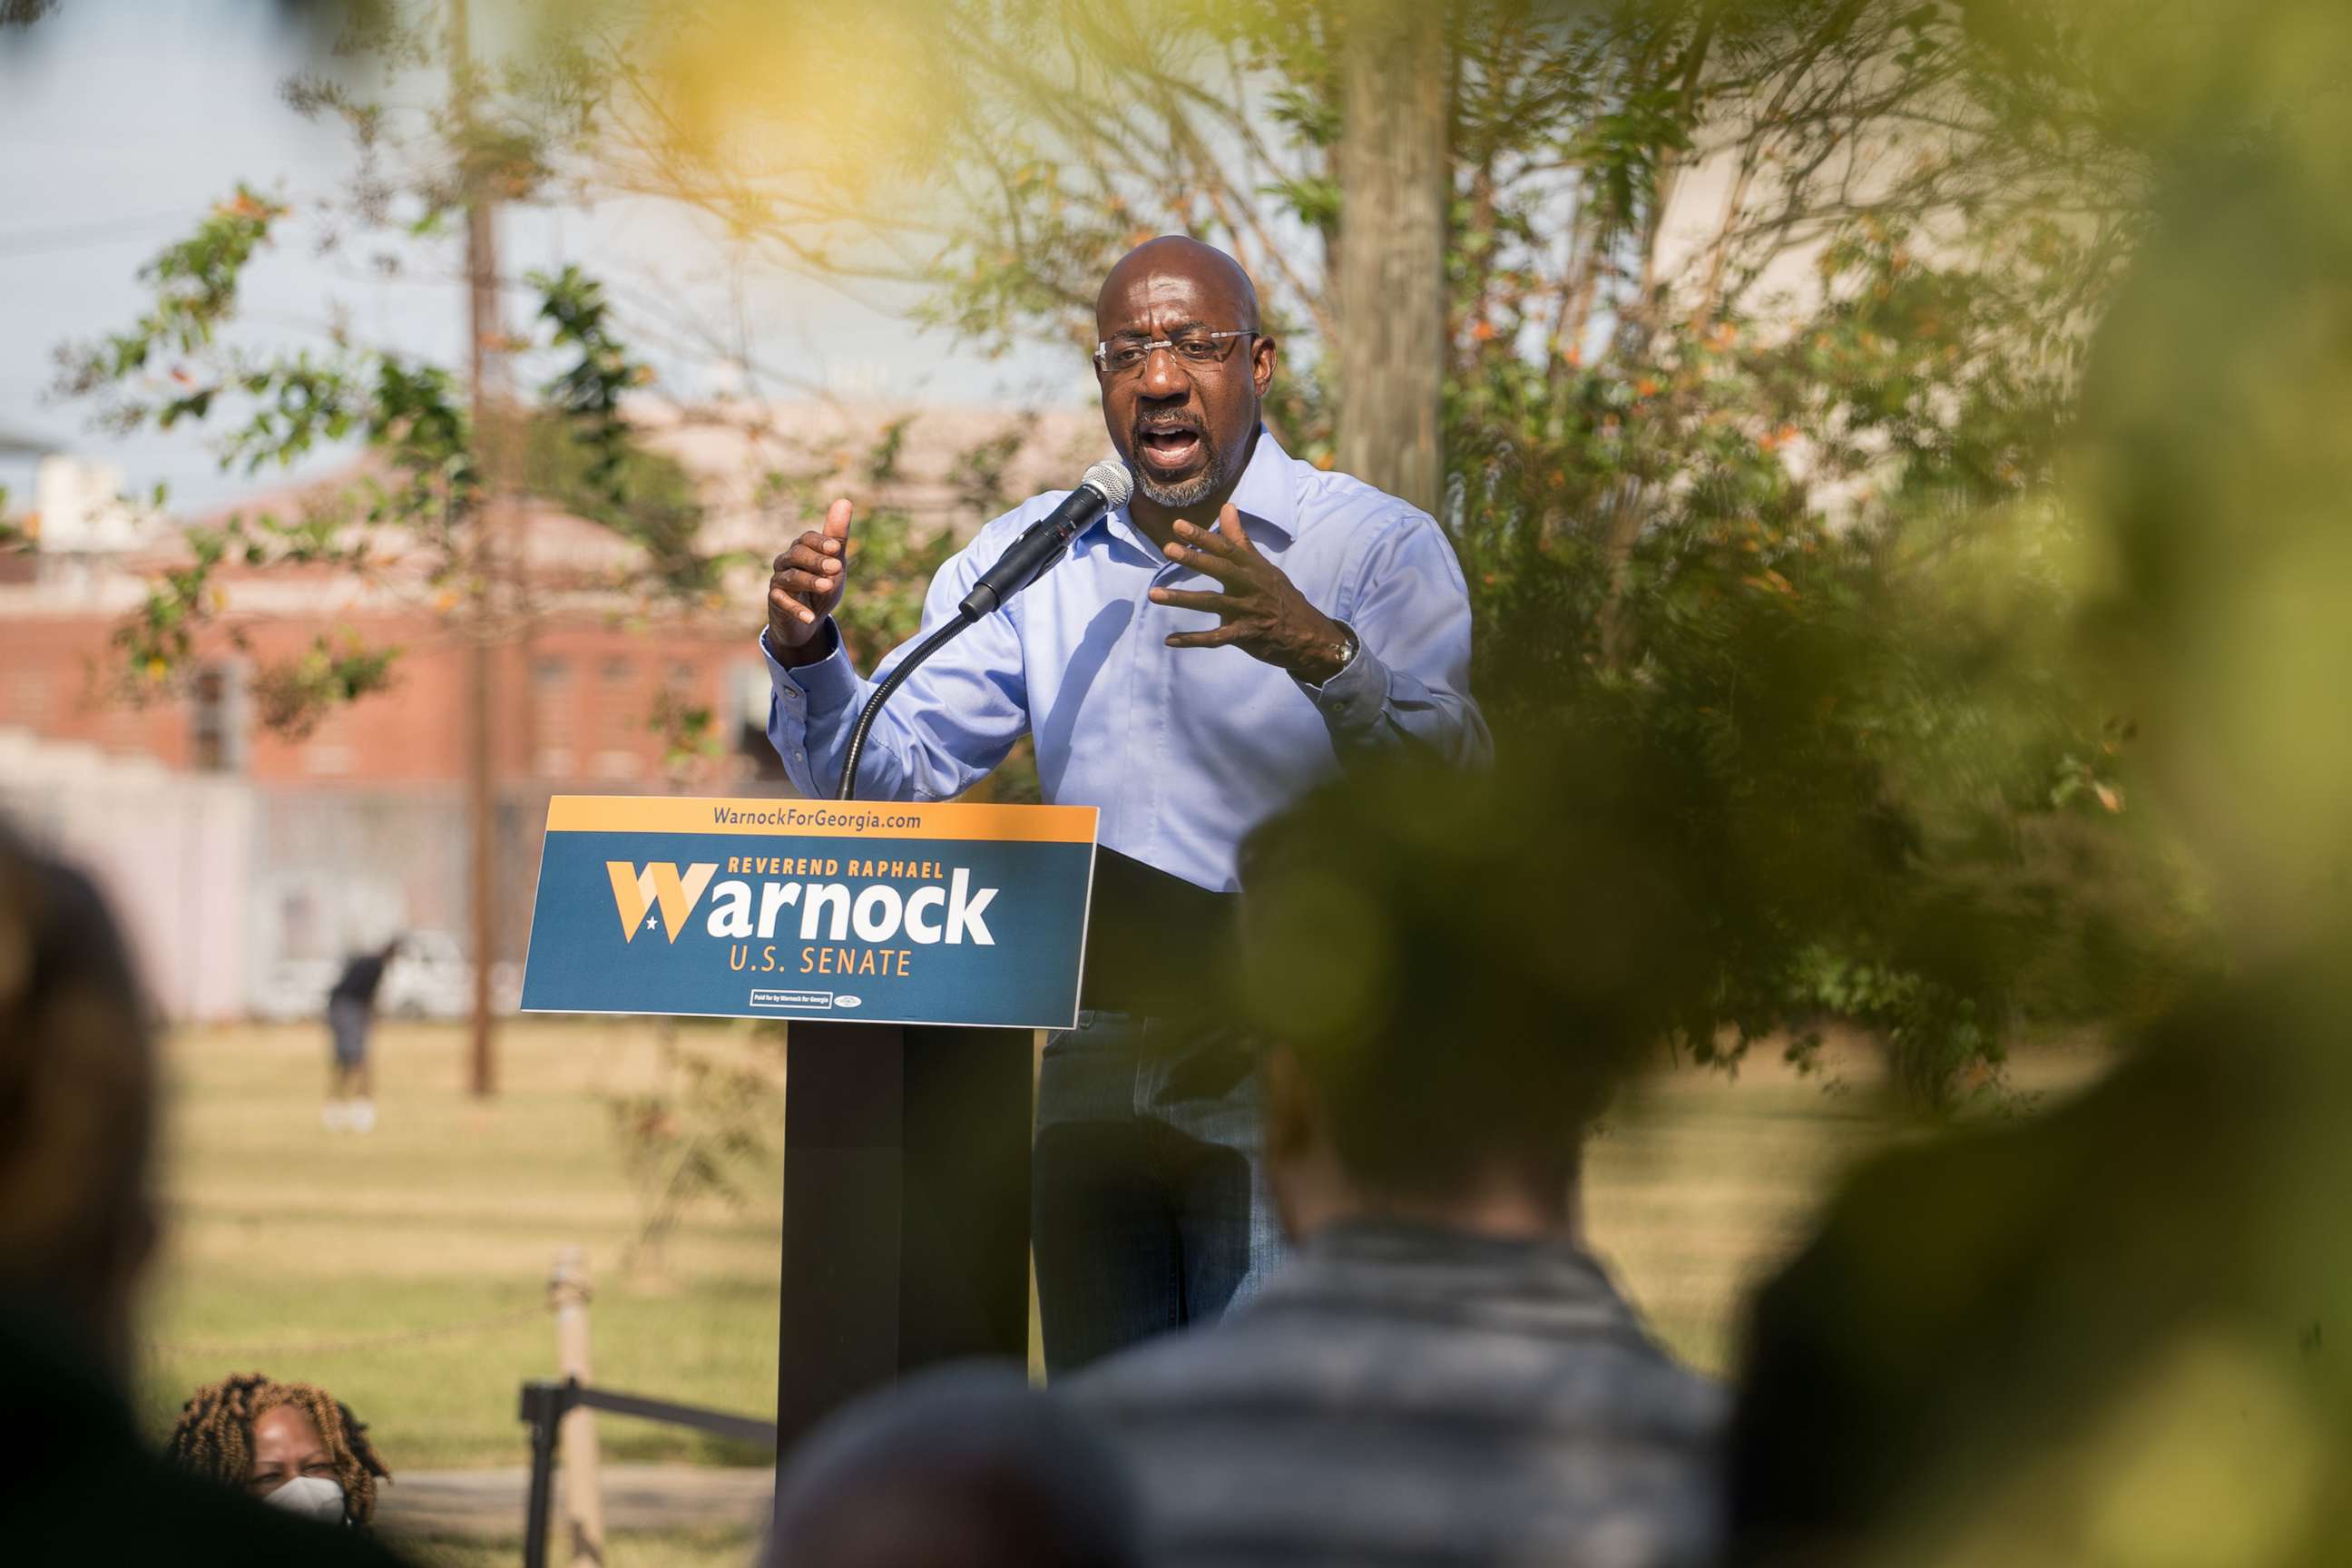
1191, 492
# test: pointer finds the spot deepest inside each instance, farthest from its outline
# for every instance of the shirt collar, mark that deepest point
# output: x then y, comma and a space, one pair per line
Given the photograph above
1265, 497
1392, 1263
1267, 494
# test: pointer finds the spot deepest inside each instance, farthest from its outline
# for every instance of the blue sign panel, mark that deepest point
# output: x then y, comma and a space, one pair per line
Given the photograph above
769, 909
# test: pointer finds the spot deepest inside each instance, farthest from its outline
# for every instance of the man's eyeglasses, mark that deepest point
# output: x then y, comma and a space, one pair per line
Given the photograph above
1125, 356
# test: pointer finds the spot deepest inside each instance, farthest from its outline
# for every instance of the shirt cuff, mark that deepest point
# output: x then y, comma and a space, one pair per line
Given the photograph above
1351, 701
827, 686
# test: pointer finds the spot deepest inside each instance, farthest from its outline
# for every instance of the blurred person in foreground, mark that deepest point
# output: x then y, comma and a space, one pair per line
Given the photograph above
2122, 1332
351, 1020
292, 1445
965, 1467
1452, 974
78, 1111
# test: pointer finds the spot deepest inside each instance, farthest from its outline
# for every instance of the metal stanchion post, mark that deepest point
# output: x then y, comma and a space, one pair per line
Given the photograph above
542, 1405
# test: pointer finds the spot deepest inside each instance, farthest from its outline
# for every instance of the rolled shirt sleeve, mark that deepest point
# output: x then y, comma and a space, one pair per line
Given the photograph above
950, 723
827, 686
1409, 684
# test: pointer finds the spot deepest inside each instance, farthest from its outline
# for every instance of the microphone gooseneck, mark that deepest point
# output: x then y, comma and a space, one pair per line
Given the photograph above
1106, 485
897, 677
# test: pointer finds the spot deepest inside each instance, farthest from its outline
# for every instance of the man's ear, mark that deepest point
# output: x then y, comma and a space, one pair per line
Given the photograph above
1264, 353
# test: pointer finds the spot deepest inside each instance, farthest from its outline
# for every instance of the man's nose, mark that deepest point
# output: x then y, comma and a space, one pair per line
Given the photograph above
1162, 379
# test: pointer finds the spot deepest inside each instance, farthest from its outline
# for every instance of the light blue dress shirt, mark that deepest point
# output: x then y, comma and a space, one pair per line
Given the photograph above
1184, 749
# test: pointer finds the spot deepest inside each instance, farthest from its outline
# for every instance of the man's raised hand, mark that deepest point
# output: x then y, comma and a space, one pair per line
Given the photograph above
1259, 610
807, 583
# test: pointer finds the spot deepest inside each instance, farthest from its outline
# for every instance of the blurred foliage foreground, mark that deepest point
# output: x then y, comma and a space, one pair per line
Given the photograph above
2115, 1336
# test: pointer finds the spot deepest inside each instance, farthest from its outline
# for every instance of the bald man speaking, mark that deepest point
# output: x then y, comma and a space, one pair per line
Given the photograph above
1205, 654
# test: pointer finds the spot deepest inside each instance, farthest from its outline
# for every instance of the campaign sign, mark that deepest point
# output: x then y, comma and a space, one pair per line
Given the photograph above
800, 909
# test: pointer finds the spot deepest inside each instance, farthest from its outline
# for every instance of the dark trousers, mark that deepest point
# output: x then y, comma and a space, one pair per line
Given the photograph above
1148, 1211
348, 1019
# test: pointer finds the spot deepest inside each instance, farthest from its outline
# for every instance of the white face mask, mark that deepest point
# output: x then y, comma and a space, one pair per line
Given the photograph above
311, 1496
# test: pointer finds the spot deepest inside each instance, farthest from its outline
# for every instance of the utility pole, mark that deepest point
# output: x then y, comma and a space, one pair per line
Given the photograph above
1394, 186
486, 384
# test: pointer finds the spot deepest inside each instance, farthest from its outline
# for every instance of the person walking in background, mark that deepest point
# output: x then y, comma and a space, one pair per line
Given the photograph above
350, 1018
1452, 974
77, 1222
291, 1444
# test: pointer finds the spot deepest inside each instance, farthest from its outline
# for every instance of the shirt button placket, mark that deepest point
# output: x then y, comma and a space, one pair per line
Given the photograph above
1160, 671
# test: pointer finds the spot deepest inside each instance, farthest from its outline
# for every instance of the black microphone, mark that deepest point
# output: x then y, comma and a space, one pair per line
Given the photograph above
1106, 485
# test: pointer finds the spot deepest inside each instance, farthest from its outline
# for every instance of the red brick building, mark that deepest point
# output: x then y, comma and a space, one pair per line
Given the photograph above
578, 688
244, 860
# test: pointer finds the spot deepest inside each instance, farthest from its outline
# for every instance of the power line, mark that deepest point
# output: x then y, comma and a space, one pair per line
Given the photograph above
34, 241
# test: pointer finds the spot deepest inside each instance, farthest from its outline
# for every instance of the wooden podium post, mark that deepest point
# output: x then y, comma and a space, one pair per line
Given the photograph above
905, 1208
907, 1162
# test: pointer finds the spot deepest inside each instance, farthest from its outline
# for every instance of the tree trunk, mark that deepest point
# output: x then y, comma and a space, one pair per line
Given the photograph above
481, 737
1394, 182
485, 371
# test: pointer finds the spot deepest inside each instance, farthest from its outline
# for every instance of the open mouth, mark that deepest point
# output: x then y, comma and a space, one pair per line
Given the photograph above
1170, 448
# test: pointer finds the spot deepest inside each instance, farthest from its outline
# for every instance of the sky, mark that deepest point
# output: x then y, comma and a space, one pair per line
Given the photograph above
122, 120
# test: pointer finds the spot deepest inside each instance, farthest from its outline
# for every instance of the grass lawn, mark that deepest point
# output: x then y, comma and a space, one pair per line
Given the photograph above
406, 1269
685, 1549
340, 1259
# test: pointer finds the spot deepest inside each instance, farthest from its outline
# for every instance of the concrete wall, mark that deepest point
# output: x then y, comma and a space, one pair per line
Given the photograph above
242, 898
171, 852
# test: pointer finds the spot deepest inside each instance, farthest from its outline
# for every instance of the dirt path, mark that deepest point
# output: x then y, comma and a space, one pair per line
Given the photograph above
489, 1503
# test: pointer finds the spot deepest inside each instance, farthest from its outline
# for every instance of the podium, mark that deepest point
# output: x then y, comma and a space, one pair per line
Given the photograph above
906, 1237
906, 1225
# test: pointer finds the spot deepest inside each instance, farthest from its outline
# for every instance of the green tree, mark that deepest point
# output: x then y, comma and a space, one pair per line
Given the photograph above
1762, 325
539, 122
402, 522
448, 453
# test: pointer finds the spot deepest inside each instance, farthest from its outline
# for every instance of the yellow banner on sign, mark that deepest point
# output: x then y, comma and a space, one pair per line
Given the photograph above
833, 819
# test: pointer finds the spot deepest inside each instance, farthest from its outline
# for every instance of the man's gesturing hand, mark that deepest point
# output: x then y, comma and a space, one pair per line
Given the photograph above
1260, 611
807, 585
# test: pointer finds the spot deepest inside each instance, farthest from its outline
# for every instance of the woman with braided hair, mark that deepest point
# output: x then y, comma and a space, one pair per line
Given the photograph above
292, 1445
